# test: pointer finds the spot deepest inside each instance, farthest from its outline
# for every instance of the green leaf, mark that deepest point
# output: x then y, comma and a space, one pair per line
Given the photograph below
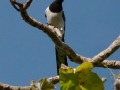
68, 79
80, 79
91, 82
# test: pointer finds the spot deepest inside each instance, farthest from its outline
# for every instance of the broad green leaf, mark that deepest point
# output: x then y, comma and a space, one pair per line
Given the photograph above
80, 79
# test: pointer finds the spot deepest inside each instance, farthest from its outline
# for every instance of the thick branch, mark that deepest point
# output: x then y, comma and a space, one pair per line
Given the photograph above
109, 63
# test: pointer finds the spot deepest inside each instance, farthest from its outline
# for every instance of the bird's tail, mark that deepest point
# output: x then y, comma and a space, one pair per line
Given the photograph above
60, 58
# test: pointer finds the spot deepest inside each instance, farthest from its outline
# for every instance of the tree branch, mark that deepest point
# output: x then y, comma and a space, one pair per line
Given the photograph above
3, 86
9, 87
55, 35
49, 30
107, 52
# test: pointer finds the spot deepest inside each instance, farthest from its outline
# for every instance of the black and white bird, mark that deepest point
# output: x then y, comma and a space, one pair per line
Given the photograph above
55, 17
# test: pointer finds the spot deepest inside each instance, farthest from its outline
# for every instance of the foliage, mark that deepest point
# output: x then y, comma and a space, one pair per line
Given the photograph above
81, 78
43, 84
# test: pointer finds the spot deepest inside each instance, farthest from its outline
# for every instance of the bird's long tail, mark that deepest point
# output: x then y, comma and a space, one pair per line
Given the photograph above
60, 58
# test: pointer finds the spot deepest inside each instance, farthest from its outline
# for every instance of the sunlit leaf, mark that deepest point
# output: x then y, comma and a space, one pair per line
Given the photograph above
80, 79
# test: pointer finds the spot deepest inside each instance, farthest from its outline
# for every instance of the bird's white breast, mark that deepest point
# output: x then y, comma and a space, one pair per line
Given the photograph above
55, 19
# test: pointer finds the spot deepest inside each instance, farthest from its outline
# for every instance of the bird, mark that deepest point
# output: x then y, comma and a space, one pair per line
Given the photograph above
56, 17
